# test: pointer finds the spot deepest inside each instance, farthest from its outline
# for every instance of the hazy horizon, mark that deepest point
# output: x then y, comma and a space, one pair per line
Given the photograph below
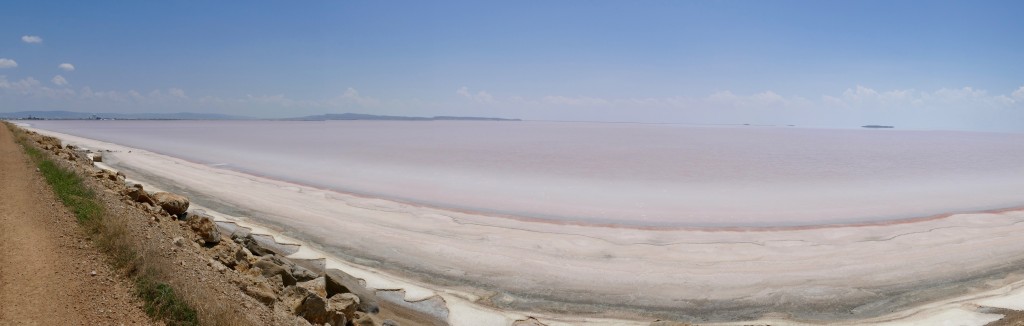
918, 65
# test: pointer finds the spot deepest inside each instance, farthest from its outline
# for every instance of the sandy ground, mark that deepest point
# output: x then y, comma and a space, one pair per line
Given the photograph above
493, 270
46, 262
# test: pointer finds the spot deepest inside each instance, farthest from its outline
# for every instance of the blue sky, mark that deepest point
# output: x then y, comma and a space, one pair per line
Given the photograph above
930, 65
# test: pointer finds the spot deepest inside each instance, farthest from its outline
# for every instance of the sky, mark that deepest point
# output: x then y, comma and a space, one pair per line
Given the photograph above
917, 64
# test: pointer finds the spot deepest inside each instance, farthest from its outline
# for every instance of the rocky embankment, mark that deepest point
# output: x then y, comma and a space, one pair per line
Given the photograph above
231, 260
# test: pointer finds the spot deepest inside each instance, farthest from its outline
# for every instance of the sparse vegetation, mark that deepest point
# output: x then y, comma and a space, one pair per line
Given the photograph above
161, 301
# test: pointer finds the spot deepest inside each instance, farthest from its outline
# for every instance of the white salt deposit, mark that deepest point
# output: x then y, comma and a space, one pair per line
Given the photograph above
512, 261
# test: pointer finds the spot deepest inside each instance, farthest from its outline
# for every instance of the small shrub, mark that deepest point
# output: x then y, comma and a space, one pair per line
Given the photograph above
160, 302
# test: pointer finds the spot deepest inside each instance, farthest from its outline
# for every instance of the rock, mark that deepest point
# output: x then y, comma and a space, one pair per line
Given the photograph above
337, 281
275, 267
239, 234
51, 141
137, 194
362, 319
301, 274
275, 280
389, 322
344, 304
317, 285
97, 157
204, 227
292, 297
225, 254
172, 203
261, 291
242, 256
255, 247
316, 310
217, 266
178, 241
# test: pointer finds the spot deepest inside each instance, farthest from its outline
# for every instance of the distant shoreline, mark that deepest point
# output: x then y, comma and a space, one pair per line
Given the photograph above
68, 115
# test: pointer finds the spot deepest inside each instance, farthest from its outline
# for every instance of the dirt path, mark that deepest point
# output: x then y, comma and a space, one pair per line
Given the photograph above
46, 261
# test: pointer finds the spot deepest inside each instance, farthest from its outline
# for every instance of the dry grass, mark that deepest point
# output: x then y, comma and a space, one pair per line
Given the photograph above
112, 237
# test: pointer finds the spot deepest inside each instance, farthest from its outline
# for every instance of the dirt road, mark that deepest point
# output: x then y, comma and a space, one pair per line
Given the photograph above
47, 264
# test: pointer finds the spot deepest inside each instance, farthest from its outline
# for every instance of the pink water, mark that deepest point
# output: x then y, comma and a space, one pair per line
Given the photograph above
637, 174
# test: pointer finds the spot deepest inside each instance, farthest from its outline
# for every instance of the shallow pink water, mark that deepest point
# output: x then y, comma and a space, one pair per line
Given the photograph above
636, 174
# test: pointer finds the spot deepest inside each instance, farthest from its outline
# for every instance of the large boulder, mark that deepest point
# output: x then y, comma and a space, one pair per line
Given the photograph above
318, 311
341, 282
270, 266
316, 285
229, 255
302, 274
343, 304
255, 247
174, 204
136, 193
204, 227
363, 319
261, 244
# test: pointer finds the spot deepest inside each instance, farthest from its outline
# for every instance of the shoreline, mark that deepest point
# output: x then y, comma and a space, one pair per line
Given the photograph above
737, 238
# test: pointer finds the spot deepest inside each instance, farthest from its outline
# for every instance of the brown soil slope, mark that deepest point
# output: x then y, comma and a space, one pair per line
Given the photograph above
46, 261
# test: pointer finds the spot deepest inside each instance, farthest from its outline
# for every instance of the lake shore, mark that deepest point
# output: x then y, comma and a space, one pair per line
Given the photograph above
505, 269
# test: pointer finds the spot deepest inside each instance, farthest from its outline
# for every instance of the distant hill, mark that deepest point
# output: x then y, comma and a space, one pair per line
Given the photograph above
68, 115
877, 126
360, 116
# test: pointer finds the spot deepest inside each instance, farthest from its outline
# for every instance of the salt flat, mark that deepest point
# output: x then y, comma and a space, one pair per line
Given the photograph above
798, 269
633, 174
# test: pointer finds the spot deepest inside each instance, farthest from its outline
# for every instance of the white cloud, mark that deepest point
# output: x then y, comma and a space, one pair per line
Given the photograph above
66, 66
351, 93
176, 92
30, 88
575, 101
351, 96
7, 63
32, 39
59, 80
769, 97
1019, 94
24, 84
481, 96
723, 97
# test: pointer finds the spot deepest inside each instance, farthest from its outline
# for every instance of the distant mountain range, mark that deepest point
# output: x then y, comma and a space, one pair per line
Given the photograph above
68, 115
359, 116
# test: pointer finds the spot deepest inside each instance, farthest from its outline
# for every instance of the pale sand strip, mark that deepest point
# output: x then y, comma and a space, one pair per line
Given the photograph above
622, 269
